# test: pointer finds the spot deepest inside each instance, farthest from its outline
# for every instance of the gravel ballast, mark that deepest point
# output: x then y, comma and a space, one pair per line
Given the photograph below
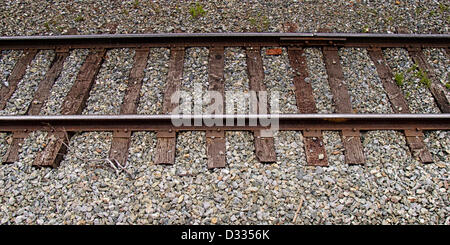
111, 82
228, 16
439, 62
8, 59
418, 97
62, 85
154, 81
317, 76
236, 82
22, 96
3, 144
195, 80
278, 77
364, 86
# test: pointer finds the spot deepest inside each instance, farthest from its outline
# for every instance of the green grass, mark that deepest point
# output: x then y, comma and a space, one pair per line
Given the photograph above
47, 26
197, 11
412, 68
447, 85
265, 22
423, 76
443, 8
60, 29
136, 4
419, 10
260, 22
390, 19
79, 18
157, 8
432, 13
365, 29
399, 79
407, 94
417, 72
253, 22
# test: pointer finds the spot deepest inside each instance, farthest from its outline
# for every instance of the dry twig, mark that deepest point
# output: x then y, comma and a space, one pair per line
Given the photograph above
298, 210
113, 163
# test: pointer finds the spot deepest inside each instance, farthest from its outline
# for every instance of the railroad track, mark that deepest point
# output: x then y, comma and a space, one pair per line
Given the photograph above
61, 128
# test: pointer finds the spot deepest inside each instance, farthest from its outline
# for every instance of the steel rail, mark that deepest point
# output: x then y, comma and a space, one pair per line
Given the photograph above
78, 123
225, 39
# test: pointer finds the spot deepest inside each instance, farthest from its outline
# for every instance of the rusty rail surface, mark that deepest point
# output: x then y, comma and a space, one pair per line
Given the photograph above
78, 123
225, 39
62, 128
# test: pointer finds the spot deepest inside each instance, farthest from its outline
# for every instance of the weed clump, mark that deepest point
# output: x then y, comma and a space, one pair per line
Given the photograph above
259, 23
197, 11
399, 79
79, 18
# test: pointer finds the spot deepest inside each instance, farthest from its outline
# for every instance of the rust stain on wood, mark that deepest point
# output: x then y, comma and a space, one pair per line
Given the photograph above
274, 51
119, 147
353, 148
394, 93
264, 148
12, 155
338, 88
419, 149
45, 86
76, 98
54, 151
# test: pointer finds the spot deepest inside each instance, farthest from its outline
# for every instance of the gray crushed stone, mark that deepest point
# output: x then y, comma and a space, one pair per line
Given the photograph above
154, 81
236, 81
391, 188
64, 82
365, 88
8, 59
417, 95
22, 96
228, 16
111, 83
278, 77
